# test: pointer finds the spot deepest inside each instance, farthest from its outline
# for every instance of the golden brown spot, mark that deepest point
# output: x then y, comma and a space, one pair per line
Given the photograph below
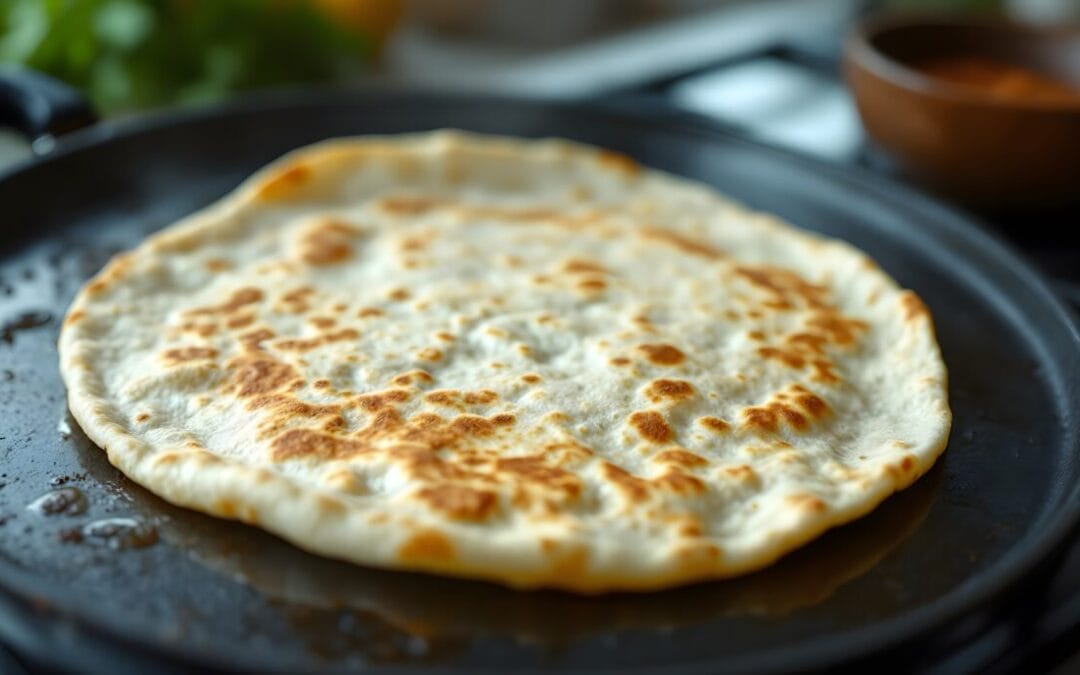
592, 285
323, 322
807, 342
405, 379
760, 420
756, 335
459, 502
691, 528
651, 426
382, 422
823, 371
681, 457
382, 399
74, 317
580, 266
472, 425
415, 243
669, 390
300, 443
620, 361
429, 354
444, 336
240, 298
714, 424
280, 185
303, 345
142, 417
742, 473
253, 341
344, 480
662, 354
242, 321
427, 546
533, 470
784, 287
635, 489
399, 294
767, 418
787, 357
807, 502
503, 419
200, 329
571, 565
908, 463
96, 287
531, 378
328, 243
616, 161
841, 330
298, 294
182, 354
253, 376
452, 397
913, 306
809, 402
337, 423
446, 397
285, 407
225, 508
679, 483
217, 265
369, 311
683, 243
793, 417
409, 205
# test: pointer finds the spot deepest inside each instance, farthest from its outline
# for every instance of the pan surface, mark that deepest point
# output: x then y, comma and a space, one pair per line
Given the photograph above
927, 565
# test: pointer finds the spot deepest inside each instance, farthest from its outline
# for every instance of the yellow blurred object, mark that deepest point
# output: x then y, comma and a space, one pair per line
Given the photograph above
375, 19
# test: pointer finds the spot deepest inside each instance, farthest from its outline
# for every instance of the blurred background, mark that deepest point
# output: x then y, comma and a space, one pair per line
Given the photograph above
767, 69
129, 55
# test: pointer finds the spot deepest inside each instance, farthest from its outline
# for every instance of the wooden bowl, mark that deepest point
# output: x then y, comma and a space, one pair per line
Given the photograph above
961, 140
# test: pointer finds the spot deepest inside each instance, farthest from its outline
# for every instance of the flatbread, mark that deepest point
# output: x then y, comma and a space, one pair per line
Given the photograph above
533, 362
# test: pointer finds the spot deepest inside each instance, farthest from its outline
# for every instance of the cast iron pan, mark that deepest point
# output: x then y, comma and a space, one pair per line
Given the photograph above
916, 578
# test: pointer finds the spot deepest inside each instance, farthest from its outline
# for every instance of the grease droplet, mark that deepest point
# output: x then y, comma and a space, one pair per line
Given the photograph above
25, 321
121, 533
69, 501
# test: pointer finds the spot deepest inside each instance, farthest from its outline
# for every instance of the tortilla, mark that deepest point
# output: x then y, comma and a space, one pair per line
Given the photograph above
533, 362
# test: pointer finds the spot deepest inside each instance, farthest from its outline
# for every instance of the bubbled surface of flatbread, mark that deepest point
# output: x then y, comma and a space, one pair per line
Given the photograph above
532, 362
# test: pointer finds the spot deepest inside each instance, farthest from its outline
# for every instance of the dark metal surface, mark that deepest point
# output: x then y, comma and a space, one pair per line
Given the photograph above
934, 563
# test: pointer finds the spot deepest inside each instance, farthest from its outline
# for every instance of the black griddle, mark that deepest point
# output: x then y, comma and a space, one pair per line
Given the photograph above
932, 567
